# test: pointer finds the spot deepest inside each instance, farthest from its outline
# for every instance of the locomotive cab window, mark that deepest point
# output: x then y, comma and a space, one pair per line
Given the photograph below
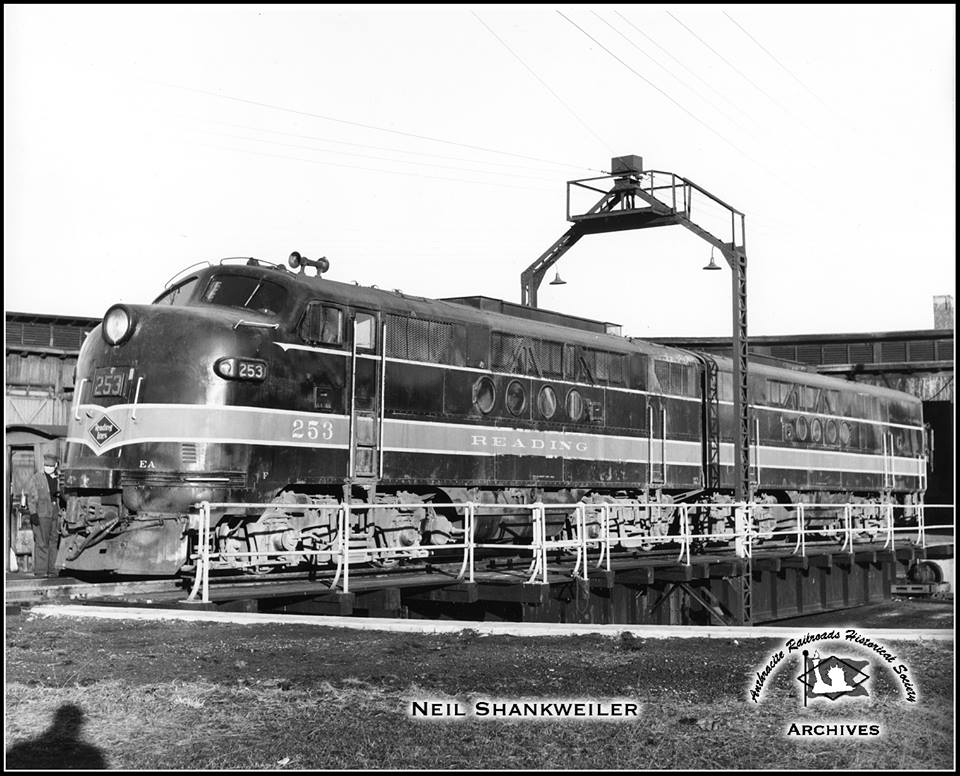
250, 293
365, 331
322, 324
179, 294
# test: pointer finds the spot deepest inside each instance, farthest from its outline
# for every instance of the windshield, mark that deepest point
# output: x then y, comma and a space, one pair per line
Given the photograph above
179, 294
251, 293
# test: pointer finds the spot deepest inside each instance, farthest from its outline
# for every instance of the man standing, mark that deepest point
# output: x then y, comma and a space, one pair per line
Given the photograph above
44, 502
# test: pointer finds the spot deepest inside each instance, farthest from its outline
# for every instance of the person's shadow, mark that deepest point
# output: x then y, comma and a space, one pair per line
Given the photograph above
59, 746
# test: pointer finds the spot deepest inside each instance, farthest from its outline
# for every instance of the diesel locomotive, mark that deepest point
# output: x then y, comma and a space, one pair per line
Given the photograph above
251, 383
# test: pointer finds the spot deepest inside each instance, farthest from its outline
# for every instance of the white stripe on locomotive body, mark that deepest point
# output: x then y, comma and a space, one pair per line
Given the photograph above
460, 439
204, 423
636, 391
278, 427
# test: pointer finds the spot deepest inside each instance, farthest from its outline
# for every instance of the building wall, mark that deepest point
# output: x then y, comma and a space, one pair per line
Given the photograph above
41, 359
39, 389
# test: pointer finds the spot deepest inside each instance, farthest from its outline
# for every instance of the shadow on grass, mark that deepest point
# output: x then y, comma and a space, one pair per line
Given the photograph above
58, 747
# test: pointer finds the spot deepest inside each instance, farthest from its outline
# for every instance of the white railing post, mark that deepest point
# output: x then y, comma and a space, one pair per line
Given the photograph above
201, 574
206, 552
803, 531
847, 530
580, 512
541, 510
471, 541
338, 549
539, 554
888, 513
347, 519
685, 536
605, 512
921, 524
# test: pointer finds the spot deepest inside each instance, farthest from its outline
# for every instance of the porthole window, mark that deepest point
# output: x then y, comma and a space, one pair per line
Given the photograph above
831, 432
803, 429
844, 433
484, 394
516, 398
547, 402
816, 430
574, 405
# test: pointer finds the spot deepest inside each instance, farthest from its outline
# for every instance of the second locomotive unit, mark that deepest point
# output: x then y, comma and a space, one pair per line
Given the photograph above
247, 382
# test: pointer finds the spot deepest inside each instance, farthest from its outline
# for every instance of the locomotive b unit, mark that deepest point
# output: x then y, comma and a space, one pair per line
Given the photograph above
246, 382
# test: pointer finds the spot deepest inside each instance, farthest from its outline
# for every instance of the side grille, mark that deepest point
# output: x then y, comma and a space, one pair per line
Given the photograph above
165, 479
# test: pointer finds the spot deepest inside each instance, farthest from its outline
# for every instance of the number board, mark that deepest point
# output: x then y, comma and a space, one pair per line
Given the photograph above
109, 381
241, 369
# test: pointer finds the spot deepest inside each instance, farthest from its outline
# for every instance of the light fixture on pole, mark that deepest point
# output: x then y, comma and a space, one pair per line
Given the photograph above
713, 264
558, 281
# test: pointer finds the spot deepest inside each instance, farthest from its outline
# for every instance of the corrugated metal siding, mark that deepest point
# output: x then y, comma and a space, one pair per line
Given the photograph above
922, 350
67, 337
893, 351
808, 354
36, 334
835, 354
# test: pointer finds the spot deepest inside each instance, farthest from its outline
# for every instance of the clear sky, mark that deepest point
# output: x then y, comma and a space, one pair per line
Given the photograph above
427, 148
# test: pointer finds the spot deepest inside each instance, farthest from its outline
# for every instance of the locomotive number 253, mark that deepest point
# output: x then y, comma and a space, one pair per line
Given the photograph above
312, 429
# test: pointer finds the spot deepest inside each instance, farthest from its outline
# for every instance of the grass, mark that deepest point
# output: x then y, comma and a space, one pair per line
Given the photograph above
203, 696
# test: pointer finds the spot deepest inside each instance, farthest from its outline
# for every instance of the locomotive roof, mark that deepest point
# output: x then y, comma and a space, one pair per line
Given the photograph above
308, 287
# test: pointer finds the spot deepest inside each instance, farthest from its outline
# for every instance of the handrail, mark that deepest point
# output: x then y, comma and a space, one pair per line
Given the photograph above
255, 324
79, 398
184, 272
744, 536
382, 400
136, 400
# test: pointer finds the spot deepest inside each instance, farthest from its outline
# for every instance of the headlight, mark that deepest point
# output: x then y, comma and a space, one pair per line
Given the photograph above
117, 325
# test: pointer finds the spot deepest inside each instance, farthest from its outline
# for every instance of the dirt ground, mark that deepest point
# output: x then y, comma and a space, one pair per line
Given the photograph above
93, 693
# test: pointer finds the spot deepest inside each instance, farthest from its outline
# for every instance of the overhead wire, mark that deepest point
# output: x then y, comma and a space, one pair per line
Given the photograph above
661, 91
545, 85
675, 59
770, 54
379, 158
379, 170
772, 173
667, 70
376, 128
743, 75
375, 147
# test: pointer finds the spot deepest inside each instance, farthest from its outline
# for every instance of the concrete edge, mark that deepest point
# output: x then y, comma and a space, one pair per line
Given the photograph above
482, 628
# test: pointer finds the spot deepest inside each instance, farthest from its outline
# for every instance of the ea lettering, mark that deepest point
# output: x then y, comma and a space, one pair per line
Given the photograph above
552, 445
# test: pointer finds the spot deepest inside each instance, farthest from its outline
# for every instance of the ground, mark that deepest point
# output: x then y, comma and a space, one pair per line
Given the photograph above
175, 695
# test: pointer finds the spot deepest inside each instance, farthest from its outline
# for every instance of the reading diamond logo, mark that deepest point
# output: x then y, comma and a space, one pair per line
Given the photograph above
832, 677
104, 430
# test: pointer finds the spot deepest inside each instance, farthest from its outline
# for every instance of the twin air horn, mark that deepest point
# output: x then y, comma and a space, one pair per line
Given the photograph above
296, 260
